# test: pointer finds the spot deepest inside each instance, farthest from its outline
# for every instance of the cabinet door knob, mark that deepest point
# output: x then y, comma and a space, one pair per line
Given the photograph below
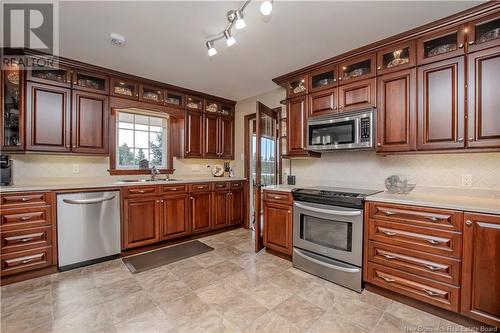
471, 139
461, 45
471, 42
67, 146
460, 140
379, 67
340, 78
468, 222
379, 144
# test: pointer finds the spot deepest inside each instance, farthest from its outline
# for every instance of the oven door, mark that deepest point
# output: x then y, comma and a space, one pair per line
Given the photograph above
331, 231
331, 134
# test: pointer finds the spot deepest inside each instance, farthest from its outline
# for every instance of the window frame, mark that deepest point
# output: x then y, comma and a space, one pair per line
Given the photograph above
113, 133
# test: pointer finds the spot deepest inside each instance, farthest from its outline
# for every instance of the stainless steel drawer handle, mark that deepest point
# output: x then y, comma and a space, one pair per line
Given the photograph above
390, 233
434, 268
433, 218
433, 241
432, 293
277, 197
201, 187
88, 201
173, 189
24, 240
26, 261
26, 199
389, 213
388, 256
25, 218
386, 279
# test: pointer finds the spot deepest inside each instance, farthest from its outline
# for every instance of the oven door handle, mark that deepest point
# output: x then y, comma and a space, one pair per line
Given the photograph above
328, 211
321, 263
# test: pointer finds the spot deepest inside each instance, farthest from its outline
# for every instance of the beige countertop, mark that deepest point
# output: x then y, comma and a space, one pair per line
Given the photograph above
281, 188
480, 201
73, 183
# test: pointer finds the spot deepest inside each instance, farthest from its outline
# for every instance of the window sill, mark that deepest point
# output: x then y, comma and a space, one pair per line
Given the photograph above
115, 172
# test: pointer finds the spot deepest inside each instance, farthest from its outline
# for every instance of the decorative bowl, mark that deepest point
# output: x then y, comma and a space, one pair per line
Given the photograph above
399, 184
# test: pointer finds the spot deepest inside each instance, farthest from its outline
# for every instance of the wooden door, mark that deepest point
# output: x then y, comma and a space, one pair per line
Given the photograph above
323, 102
484, 99
357, 95
48, 116
200, 211
193, 134
211, 142
481, 268
175, 216
236, 207
441, 105
90, 123
396, 111
220, 209
297, 126
278, 227
226, 138
141, 222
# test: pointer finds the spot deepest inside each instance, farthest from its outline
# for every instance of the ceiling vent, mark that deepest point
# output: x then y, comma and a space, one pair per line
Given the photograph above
117, 40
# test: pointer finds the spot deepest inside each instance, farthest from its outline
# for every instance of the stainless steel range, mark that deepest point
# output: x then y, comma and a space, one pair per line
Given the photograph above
328, 233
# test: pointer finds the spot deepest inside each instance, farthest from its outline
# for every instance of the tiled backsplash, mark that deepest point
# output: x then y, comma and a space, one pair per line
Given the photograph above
444, 170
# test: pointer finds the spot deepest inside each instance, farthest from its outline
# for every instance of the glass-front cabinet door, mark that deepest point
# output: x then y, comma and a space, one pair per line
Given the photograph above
124, 88
58, 76
323, 78
297, 86
396, 57
12, 106
212, 106
358, 68
151, 94
194, 103
91, 82
226, 110
440, 45
484, 33
174, 99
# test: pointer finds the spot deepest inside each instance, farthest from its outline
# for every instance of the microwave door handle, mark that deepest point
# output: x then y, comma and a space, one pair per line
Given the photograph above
325, 264
328, 211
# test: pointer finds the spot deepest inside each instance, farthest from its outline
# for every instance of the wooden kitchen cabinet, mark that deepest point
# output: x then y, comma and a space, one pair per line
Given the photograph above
296, 87
193, 134
48, 116
481, 268
200, 211
212, 140
141, 221
226, 147
221, 209
174, 215
124, 88
323, 102
441, 105
396, 124
90, 123
236, 205
91, 82
323, 78
440, 45
12, 108
396, 57
297, 126
484, 99
60, 76
358, 68
278, 227
483, 33
357, 95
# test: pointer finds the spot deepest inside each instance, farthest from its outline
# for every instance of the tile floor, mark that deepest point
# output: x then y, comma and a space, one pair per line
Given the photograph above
230, 289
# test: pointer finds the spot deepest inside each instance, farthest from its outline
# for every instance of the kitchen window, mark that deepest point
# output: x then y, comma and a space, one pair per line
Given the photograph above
141, 141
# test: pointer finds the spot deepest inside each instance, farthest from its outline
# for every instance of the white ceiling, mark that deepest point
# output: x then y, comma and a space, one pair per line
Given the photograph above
166, 40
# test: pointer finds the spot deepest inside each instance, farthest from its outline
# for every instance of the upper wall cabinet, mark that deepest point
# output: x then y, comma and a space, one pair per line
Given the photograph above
91, 82
396, 57
124, 88
440, 45
151, 94
484, 32
60, 76
297, 86
357, 95
357, 68
194, 103
12, 107
227, 110
174, 99
323, 78
484, 99
212, 106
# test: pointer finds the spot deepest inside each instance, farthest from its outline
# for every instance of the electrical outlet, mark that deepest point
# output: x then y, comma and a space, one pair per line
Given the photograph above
76, 168
466, 180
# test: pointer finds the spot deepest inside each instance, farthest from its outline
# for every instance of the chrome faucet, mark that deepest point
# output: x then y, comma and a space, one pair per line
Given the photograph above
154, 172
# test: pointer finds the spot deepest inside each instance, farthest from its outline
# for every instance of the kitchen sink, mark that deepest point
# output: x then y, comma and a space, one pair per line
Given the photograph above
146, 180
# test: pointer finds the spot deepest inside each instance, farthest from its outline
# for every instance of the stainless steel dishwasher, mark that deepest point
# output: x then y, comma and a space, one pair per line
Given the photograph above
88, 228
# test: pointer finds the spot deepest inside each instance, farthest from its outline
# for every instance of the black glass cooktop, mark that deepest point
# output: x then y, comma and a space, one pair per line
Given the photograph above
339, 196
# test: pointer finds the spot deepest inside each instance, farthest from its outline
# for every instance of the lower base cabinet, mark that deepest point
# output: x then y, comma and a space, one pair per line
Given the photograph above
200, 217
236, 213
141, 221
175, 213
277, 229
221, 209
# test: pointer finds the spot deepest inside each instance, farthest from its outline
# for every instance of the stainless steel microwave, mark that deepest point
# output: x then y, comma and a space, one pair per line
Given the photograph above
354, 130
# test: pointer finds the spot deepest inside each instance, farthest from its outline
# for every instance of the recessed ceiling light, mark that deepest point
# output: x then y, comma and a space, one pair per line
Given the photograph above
117, 39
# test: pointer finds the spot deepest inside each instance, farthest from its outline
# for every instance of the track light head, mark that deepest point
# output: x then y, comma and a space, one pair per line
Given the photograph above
240, 22
229, 39
266, 7
211, 49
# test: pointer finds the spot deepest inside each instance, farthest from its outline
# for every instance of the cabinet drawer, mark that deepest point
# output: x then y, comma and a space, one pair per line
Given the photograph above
278, 197
221, 186
174, 189
431, 266
416, 238
25, 199
17, 262
236, 185
19, 240
15, 219
201, 187
140, 191
435, 293
423, 216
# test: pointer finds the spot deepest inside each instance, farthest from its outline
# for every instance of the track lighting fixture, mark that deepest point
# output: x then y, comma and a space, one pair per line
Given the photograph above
229, 39
236, 19
211, 49
266, 7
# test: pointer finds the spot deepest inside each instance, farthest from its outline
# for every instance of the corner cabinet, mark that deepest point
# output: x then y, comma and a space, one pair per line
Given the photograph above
481, 268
